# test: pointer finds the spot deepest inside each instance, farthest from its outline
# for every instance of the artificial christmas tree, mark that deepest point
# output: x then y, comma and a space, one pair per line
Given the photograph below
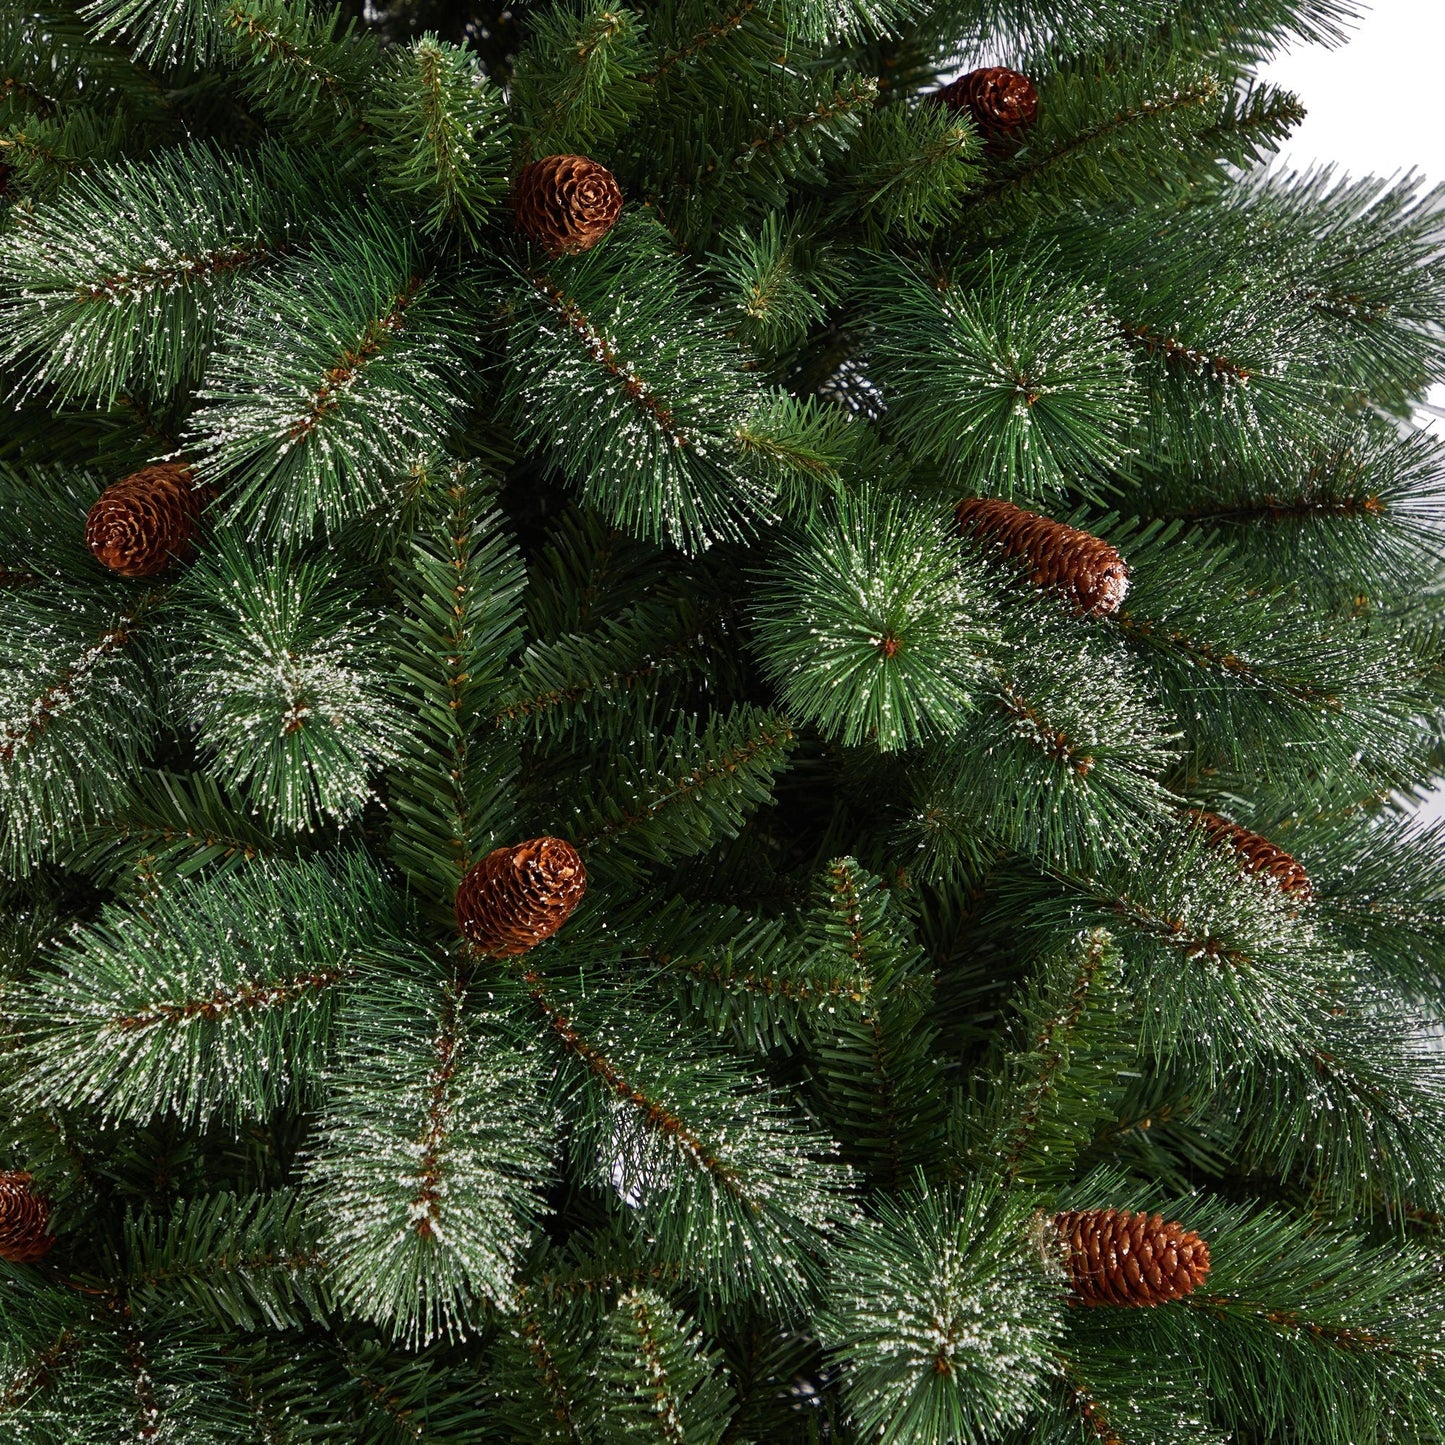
744, 725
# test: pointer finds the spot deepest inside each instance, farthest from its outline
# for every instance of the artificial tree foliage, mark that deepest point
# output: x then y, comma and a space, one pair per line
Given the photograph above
924, 902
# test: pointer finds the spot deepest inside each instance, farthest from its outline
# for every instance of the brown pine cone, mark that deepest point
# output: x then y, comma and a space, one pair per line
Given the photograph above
140, 523
1122, 1257
1085, 568
1256, 854
566, 204
516, 897
1001, 102
24, 1219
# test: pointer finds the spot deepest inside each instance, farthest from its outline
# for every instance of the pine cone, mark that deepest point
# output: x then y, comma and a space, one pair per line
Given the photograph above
1121, 1257
1001, 102
1085, 568
1257, 854
565, 204
138, 524
24, 1219
517, 897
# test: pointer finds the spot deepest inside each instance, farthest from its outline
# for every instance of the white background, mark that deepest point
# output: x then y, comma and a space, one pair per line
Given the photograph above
1376, 104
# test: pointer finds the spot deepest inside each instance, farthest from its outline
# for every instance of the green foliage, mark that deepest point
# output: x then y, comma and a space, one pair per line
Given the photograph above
730, 1186
458, 585
440, 134
675, 796
1009, 397
784, 134
656, 1380
1299, 1310
1304, 1330
777, 284
163, 1376
428, 1160
897, 937
1203, 937
1358, 516
852, 20
77, 716
869, 630
1250, 327
1133, 124
297, 65
252, 1264
1256, 676
584, 681
43, 151
334, 385
914, 168
580, 76
170, 825
185, 33
214, 1000
1363, 257
281, 686
651, 418
1383, 858
119, 281
539, 1369
874, 1051
587, 572
1062, 1079
77, 711
1061, 760
944, 1323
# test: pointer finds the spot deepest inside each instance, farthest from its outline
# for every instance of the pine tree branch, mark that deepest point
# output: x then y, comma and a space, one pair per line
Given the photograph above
665, 1414
598, 346
388, 1402
564, 1408
654, 1114
55, 699
1180, 354
40, 1371
269, 41
1205, 655
1086, 1405
701, 41
859, 94
225, 1002
1205, 91
1050, 740
1051, 1044
353, 361
425, 1208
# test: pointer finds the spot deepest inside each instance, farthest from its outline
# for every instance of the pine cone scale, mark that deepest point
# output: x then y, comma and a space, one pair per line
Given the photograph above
1130, 1259
140, 524
24, 1220
1064, 559
566, 204
519, 896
